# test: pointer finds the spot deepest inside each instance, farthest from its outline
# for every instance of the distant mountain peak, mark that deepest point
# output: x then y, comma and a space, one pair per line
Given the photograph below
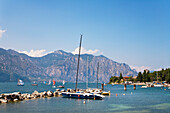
102, 56
61, 52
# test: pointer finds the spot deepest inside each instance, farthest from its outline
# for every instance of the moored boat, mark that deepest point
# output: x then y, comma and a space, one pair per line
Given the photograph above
106, 93
20, 83
144, 87
94, 90
61, 86
34, 84
82, 95
158, 85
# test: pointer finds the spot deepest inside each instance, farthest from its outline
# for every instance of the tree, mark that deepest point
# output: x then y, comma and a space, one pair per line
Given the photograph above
139, 77
167, 78
130, 79
113, 79
120, 77
144, 76
148, 79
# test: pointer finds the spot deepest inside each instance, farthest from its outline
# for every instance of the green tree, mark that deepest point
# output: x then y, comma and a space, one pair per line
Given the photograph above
167, 78
144, 76
139, 77
120, 77
130, 79
148, 79
113, 79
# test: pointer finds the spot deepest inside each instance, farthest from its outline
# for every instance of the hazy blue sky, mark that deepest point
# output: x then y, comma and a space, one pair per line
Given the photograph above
136, 32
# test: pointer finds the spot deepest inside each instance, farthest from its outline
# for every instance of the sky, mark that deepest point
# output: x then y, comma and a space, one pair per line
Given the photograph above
135, 32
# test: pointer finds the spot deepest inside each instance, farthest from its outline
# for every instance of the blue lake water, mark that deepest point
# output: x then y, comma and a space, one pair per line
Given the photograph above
150, 100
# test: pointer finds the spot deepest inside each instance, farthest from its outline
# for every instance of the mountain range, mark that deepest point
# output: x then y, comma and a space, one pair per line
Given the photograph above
59, 65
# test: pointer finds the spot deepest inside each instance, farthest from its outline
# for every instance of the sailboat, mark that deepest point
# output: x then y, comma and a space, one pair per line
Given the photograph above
20, 83
63, 82
34, 84
95, 90
81, 94
54, 84
61, 86
49, 82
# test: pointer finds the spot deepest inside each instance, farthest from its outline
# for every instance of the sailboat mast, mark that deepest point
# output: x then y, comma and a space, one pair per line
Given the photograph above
87, 73
97, 73
78, 62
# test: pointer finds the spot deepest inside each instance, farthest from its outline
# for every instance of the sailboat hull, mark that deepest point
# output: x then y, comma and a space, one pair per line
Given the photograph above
20, 85
60, 86
82, 95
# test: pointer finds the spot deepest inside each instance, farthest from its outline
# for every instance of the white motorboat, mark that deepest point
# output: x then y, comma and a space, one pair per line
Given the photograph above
20, 83
158, 85
144, 87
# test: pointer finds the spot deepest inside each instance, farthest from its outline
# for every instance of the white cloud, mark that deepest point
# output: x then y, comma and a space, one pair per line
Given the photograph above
159, 69
35, 53
2, 32
140, 68
84, 51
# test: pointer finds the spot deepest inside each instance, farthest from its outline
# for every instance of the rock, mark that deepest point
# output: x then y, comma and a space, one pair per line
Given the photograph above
3, 101
56, 93
29, 96
50, 93
15, 96
16, 93
43, 94
35, 94
24, 96
7, 97
15, 100
57, 89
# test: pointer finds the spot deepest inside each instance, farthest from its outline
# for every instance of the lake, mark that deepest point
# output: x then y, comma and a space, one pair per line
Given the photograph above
150, 100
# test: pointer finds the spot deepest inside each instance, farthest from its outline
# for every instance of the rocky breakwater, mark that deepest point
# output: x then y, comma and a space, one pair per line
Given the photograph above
17, 96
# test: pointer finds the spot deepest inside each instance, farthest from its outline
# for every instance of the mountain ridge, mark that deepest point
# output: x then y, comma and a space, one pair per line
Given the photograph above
59, 65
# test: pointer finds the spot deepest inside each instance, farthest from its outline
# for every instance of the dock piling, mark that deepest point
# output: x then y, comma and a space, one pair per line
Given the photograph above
134, 86
102, 86
125, 87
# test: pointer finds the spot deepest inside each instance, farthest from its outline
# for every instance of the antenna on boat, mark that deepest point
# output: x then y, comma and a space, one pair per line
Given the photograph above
97, 73
87, 73
78, 62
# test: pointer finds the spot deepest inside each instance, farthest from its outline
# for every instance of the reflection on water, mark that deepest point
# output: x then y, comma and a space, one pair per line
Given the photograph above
161, 106
141, 111
119, 107
150, 100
